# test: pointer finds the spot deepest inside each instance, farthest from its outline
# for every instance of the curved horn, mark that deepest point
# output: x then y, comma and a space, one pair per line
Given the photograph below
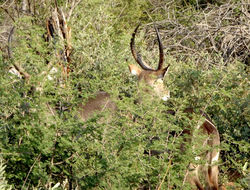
136, 55
161, 55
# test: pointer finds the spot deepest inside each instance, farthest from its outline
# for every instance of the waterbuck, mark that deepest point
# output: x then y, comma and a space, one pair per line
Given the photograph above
153, 78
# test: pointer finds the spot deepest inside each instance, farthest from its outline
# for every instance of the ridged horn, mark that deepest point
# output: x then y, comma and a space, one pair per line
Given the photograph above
161, 54
136, 55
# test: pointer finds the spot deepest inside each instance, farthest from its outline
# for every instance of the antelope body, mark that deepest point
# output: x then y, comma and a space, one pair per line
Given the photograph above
101, 102
154, 79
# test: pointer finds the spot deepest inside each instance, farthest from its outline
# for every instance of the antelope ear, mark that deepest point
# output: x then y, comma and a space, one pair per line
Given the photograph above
164, 72
134, 70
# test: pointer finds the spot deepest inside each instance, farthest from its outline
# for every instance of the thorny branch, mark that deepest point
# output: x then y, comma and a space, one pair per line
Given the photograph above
18, 67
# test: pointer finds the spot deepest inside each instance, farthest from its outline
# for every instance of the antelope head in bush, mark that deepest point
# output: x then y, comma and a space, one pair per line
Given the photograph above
150, 77
154, 79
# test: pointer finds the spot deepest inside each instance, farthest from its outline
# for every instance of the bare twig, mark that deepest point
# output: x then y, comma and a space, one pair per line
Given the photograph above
37, 158
17, 66
6, 10
73, 6
163, 179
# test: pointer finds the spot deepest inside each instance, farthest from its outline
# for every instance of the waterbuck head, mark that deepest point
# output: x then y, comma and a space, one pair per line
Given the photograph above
152, 78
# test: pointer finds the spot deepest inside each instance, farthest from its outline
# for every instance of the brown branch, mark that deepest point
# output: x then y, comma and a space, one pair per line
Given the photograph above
37, 158
169, 165
59, 163
34, 7
56, 4
17, 67
74, 4
22, 71
17, 9
12, 18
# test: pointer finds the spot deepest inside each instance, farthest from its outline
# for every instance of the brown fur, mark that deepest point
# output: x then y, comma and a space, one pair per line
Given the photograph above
212, 139
101, 102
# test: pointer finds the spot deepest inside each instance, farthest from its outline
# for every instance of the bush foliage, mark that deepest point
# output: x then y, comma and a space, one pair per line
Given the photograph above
45, 144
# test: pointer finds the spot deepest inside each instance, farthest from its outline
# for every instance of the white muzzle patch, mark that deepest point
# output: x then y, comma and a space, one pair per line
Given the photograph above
197, 158
216, 158
133, 72
166, 97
